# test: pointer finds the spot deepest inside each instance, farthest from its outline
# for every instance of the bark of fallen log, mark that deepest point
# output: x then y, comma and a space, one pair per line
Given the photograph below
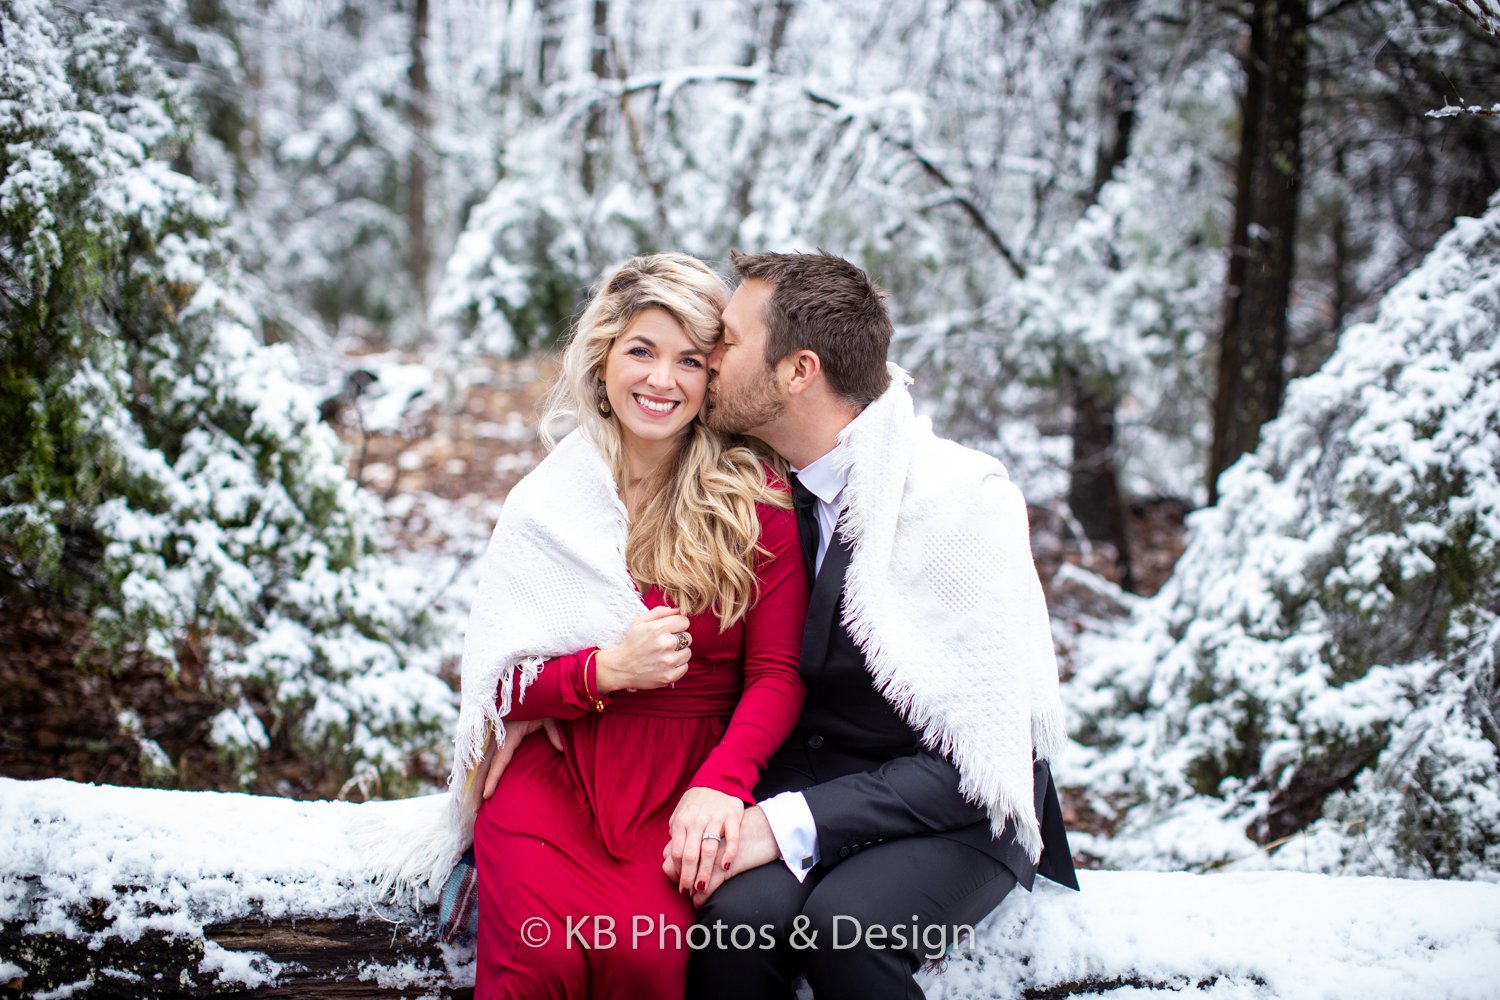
348, 957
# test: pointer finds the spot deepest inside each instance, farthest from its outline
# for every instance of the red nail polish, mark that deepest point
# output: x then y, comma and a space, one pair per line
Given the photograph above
701, 886
726, 866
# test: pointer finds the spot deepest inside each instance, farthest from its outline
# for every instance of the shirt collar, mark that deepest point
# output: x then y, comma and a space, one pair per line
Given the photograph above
825, 477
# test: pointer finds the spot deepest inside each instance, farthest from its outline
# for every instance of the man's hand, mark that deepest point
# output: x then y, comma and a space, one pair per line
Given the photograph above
757, 846
496, 759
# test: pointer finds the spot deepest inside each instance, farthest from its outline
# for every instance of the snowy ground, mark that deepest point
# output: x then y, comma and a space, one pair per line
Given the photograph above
179, 861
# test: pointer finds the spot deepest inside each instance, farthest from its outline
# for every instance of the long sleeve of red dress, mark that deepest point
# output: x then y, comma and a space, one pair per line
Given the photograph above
557, 692
772, 699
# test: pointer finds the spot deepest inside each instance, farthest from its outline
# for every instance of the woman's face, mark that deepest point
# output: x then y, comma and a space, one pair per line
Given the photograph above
655, 378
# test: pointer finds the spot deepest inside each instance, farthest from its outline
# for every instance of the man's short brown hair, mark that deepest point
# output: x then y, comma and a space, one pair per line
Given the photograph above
826, 305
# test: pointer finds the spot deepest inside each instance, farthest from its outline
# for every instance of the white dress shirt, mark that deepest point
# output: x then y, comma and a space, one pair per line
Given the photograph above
790, 819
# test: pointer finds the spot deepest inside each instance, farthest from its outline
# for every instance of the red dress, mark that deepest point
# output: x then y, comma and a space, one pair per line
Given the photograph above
572, 898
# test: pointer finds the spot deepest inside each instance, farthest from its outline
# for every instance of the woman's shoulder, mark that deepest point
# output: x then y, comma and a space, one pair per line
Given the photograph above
777, 518
777, 483
774, 479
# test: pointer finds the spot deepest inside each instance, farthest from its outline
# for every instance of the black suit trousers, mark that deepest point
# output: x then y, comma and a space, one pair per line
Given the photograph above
860, 929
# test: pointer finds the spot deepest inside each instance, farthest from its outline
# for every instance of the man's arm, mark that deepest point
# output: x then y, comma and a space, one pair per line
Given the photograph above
903, 797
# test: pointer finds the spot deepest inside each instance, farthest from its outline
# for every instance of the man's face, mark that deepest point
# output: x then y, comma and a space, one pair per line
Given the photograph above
745, 395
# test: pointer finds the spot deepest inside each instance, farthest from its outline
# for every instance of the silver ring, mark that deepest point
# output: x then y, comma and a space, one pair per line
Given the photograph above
712, 836
682, 641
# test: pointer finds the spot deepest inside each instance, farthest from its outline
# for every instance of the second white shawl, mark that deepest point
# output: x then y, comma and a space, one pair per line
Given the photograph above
942, 596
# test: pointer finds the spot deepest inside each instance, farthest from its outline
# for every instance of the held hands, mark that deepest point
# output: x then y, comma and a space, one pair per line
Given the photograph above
653, 654
495, 760
705, 837
755, 846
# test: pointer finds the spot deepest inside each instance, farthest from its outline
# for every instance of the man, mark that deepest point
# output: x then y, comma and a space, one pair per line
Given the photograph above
914, 793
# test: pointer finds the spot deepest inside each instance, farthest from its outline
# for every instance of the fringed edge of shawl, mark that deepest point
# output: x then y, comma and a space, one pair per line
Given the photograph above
408, 846
980, 782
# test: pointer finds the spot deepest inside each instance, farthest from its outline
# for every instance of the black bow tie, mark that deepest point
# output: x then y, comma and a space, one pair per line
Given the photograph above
807, 523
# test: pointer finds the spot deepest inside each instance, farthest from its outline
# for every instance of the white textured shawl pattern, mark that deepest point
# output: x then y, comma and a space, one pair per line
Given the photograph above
553, 580
942, 596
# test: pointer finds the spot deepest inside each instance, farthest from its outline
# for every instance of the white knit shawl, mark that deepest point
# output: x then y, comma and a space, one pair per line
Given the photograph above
553, 580
942, 596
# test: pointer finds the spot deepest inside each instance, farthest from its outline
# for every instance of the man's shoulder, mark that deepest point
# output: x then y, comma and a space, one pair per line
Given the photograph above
952, 490
946, 468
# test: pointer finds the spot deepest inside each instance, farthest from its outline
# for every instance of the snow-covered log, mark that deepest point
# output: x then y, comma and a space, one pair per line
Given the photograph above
110, 891
133, 892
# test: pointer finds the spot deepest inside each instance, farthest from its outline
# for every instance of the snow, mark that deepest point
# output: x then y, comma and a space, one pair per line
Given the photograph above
199, 856
1455, 111
179, 861
1355, 510
1273, 934
396, 395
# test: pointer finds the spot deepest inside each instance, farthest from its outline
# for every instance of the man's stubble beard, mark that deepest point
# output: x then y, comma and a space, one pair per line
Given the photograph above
738, 413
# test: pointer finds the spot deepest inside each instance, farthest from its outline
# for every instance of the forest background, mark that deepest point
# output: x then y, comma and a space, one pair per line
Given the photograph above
1234, 258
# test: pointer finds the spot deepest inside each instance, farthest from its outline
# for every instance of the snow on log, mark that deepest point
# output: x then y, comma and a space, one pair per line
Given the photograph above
136, 892
140, 892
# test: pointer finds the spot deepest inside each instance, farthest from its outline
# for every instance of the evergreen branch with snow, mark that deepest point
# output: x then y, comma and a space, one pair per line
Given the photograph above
1323, 660
161, 468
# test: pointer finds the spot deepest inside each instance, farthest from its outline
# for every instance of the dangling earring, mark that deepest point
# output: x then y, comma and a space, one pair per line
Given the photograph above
603, 400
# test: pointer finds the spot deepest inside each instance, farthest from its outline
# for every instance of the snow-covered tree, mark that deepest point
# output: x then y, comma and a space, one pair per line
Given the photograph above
348, 137
1324, 658
160, 468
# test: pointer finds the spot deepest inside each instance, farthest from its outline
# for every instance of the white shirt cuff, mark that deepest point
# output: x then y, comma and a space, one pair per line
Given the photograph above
796, 835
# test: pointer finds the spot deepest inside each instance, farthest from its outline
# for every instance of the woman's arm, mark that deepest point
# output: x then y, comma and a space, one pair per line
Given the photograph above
765, 716
574, 684
772, 699
560, 691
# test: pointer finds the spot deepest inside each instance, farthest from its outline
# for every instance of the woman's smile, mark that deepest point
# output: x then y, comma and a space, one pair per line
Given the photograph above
657, 406
655, 378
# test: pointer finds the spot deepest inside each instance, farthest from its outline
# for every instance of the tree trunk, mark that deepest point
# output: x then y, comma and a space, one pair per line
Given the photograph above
1342, 294
593, 130
1094, 493
744, 185
1117, 93
319, 958
551, 23
419, 242
1253, 338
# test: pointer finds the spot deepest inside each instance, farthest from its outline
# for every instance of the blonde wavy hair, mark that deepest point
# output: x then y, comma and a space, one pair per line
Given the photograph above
696, 533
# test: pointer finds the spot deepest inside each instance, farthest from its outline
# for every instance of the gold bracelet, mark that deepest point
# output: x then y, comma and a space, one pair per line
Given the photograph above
594, 700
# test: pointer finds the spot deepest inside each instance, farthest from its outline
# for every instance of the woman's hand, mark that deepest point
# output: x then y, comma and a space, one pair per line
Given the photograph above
705, 835
495, 760
653, 654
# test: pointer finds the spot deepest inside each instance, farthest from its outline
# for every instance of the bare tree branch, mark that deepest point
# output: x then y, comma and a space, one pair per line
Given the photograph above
1486, 13
747, 77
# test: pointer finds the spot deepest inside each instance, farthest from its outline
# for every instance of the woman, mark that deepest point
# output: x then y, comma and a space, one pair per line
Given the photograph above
645, 584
